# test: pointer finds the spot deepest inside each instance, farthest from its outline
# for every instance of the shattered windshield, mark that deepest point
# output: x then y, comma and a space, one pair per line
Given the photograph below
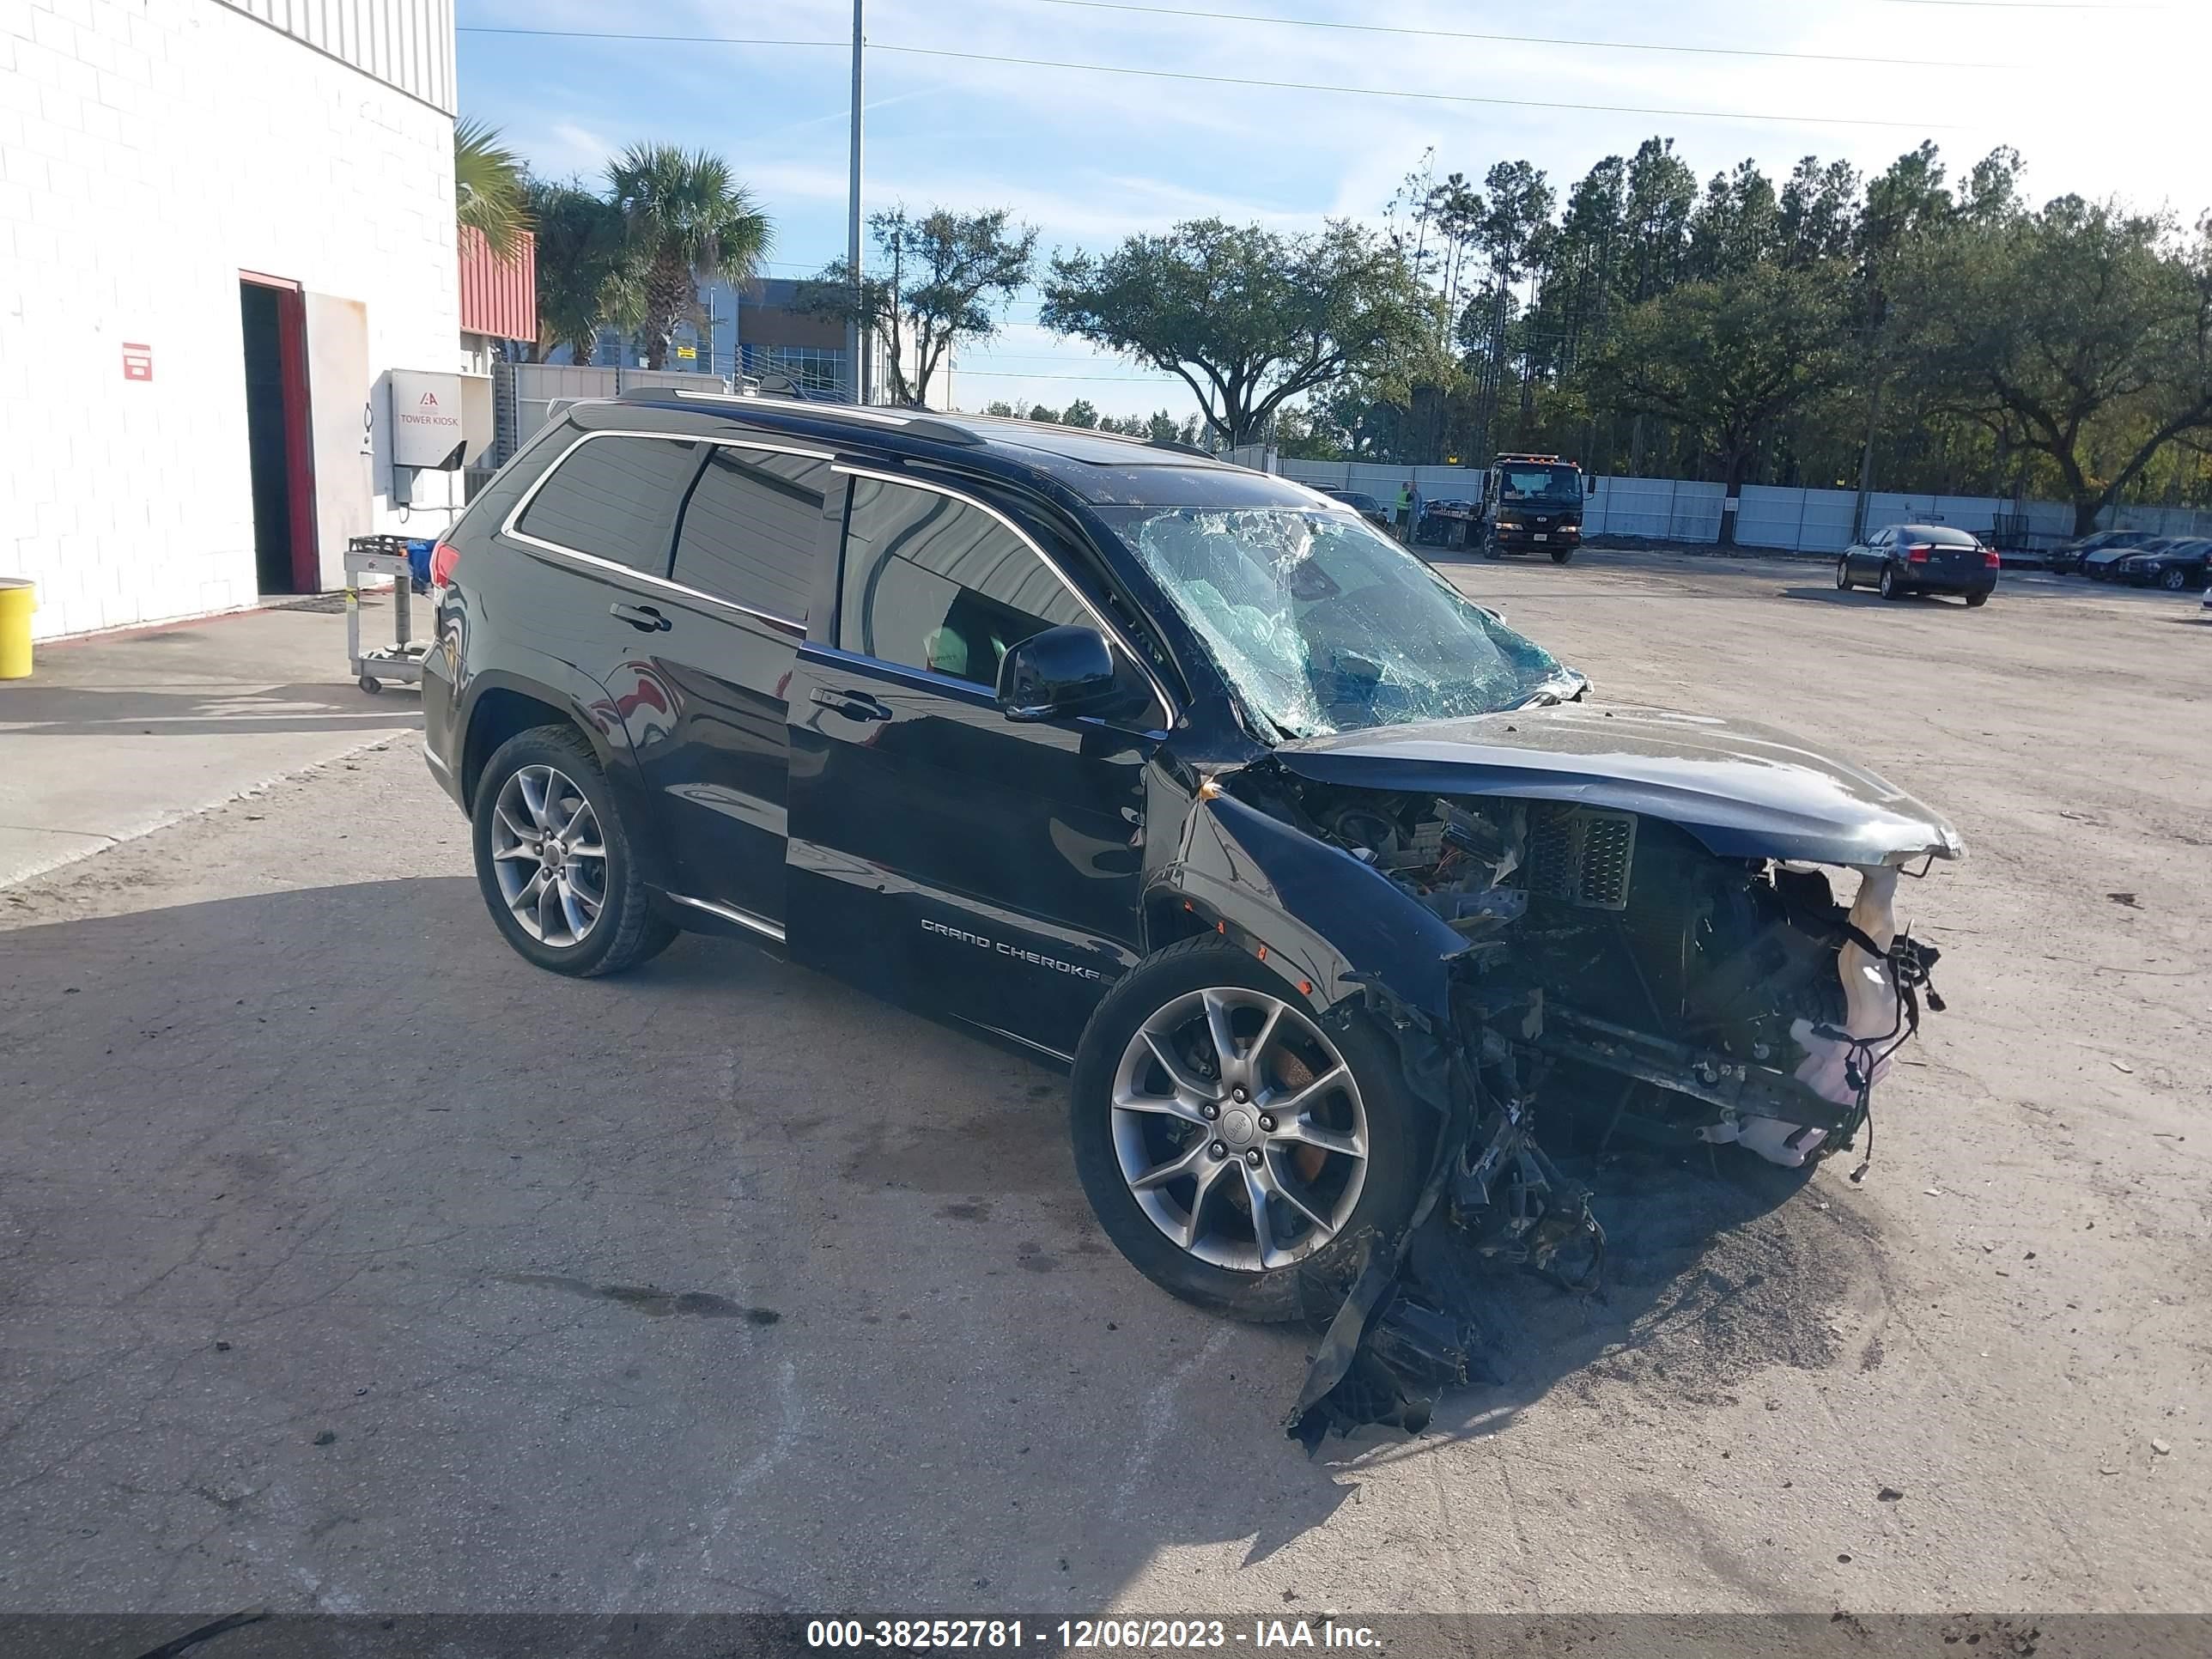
1325, 626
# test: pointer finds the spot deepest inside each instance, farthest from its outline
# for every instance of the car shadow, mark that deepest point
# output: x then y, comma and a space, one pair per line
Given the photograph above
711, 1287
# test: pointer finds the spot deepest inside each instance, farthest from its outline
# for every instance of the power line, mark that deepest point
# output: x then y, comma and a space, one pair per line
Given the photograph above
1515, 39
1234, 80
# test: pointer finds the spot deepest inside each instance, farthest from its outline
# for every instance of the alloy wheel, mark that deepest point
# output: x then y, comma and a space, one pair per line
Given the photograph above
1239, 1129
1843, 572
2176, 581
549, 855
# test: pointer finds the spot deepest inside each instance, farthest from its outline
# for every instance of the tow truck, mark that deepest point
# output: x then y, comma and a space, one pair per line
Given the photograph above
1531, 504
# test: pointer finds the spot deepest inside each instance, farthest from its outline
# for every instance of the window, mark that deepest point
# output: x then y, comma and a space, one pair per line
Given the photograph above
930, 582
614, 498
751, 529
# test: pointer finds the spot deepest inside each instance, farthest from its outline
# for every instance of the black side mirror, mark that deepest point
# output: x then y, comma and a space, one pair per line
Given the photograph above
1063, 671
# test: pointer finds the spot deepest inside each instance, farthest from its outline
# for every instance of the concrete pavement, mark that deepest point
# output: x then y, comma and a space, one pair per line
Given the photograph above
347, 1262
114, 736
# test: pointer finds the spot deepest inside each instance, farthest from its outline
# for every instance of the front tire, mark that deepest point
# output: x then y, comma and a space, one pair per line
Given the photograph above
1561, 555
555, 862
1844, 575
1229, 1141
1491, 549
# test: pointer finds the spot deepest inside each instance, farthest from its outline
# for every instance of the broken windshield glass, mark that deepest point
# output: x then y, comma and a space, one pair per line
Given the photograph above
1324, 625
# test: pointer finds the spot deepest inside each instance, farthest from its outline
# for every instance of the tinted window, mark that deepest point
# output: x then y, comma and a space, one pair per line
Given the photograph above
932, 583
751, 529
614, 498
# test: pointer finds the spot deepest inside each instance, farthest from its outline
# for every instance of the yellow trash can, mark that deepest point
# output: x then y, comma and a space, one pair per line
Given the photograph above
18, 598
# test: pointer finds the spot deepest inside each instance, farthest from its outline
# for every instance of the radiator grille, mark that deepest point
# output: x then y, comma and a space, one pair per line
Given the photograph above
1581, 856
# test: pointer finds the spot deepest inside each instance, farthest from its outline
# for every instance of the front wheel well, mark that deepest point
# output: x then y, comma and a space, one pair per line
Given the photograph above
501, 714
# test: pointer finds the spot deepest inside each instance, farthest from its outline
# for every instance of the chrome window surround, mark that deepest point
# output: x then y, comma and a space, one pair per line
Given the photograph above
1106, 625
661, 584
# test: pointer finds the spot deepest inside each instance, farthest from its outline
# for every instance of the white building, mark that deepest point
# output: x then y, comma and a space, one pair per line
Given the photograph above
224, 224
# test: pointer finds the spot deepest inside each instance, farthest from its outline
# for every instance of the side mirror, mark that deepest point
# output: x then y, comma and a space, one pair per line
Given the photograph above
1063, 671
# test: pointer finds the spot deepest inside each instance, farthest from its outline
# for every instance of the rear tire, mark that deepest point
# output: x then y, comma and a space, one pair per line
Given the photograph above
1177, 993
1889, 587
597, 919
1976, 601
2175, 582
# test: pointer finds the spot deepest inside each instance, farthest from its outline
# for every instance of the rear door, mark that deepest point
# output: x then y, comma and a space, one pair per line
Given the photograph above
940, 852
1867, 556
596, 527
747, 546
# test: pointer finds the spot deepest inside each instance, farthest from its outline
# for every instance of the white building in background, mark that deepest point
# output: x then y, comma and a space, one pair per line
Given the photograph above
225, 223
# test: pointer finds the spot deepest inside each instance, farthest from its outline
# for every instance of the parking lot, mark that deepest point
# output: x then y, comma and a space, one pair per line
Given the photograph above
347, 1262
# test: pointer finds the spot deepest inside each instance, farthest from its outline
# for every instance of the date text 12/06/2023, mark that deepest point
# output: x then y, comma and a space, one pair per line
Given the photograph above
1151, 1634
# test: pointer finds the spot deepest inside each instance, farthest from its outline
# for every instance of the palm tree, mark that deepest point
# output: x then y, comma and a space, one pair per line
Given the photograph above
490, 188
685, 219
587, 277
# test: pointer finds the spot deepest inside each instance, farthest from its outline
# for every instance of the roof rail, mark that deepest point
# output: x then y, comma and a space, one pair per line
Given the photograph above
1180, 447
919, 426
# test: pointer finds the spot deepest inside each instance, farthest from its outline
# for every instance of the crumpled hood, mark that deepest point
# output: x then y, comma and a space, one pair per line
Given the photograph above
1744, 790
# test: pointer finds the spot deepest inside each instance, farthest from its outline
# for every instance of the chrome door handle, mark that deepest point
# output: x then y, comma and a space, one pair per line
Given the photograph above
643, 617
854, 705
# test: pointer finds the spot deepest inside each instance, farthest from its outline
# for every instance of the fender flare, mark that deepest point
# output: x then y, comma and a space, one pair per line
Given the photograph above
1326, 918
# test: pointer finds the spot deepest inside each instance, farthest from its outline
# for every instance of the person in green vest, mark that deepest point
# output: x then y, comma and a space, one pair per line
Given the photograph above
1405, 518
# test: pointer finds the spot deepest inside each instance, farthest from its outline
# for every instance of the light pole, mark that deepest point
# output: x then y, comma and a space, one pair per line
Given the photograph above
853, 331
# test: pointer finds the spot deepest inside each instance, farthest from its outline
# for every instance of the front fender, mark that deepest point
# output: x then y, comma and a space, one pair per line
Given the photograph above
1332, 921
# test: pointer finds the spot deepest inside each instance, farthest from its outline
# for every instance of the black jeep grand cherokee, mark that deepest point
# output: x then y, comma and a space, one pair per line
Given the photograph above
1325, 883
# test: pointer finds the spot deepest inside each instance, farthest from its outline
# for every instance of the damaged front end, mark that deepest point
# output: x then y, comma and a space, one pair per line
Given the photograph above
1638, 943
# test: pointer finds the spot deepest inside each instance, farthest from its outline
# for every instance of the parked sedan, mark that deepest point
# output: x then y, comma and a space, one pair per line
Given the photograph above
1920, 558
2177, 567
1365, 505
2103, 563
2070, 556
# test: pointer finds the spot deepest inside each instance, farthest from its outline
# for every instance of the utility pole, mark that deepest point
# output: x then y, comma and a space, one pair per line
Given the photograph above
853, 330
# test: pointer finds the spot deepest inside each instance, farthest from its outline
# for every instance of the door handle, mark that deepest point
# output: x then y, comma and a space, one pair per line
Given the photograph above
854, 705
642, 618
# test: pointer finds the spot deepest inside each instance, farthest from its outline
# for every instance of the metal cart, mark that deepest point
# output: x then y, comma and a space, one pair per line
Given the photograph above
382, 555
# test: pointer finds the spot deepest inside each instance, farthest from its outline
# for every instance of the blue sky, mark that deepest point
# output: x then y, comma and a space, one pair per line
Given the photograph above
2100, 97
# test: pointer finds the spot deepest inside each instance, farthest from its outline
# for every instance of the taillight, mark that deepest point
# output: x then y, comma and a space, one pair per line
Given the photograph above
1990, 560
1917, 554
443, 558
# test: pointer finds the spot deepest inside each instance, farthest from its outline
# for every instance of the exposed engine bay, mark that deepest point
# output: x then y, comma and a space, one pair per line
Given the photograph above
1613, 980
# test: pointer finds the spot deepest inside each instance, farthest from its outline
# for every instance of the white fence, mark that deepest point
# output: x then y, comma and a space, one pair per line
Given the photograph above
525, 393
1796, 520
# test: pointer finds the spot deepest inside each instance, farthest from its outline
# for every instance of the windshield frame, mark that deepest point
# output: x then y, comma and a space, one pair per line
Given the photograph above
1538, 675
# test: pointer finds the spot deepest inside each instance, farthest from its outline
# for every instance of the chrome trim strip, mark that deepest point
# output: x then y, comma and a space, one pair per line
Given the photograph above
1016, 1037
760, 925
1106, 625
658, 584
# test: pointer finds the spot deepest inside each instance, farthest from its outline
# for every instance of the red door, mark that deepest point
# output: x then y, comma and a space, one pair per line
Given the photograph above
274, 316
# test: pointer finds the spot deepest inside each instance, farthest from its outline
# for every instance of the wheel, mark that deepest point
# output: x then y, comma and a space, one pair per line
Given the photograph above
1888, 586
555, 860
1976, 601
1561, 555
1491, 549
1227, 1143
1844, 574
371, 686
2174, 581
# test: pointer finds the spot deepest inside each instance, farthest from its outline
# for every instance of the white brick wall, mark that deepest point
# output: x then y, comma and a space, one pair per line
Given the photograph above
149, 151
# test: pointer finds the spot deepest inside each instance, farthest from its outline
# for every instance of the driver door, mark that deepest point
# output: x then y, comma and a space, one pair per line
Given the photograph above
941, 853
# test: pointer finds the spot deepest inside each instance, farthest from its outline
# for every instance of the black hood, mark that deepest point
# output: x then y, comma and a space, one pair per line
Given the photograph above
1744, 791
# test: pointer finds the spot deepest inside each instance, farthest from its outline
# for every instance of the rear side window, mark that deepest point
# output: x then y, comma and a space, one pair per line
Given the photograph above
933, 583
614, 498
751, 529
